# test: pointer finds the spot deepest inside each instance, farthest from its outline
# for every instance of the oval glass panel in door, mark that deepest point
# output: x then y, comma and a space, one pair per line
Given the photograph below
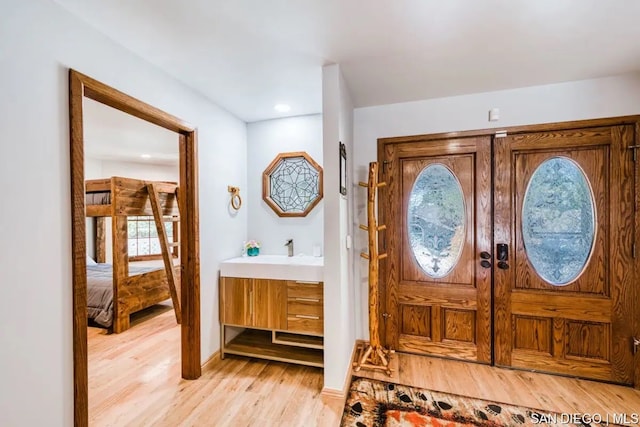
558, 221
436, 219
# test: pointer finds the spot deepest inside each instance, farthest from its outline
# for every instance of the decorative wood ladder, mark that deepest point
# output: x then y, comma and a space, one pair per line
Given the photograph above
165, 245
372, 355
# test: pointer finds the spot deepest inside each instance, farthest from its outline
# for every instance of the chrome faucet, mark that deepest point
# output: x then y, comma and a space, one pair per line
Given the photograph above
289, 246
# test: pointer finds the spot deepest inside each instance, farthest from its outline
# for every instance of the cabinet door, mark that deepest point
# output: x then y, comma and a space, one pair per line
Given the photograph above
235, 301
269, 303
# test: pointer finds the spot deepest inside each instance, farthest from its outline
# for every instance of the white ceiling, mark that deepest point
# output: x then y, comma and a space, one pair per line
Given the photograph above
247, 55
110, 134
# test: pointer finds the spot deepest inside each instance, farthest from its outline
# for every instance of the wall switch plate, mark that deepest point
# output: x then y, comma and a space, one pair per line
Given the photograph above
348, 241
494, 114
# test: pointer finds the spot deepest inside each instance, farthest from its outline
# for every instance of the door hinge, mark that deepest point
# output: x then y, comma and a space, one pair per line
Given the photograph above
635, 151
633, 251
501, 134
636, 344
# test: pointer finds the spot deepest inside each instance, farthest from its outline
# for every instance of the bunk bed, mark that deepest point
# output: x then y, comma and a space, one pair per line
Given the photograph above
131, 289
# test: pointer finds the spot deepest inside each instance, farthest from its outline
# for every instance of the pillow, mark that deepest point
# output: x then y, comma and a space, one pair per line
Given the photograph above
90, 261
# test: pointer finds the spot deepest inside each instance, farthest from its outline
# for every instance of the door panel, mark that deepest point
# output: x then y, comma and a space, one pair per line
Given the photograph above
235, 304
438, 295
582, 327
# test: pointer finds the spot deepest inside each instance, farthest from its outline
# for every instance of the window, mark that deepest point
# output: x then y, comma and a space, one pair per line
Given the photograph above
292, 184
436, 220
558, 221
143, 240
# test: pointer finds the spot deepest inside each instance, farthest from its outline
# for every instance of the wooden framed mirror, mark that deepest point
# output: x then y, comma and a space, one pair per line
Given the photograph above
80, 87
292, 184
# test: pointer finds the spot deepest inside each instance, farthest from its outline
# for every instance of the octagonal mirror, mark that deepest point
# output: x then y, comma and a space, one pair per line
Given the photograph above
292, 184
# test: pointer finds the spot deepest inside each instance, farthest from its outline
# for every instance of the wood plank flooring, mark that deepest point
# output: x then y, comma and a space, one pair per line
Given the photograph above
529, 389
134, 380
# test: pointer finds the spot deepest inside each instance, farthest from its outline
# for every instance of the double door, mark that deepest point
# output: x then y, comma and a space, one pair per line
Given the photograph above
515, 250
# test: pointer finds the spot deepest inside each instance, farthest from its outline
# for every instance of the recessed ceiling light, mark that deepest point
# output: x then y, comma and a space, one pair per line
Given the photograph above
282, 108
145, 156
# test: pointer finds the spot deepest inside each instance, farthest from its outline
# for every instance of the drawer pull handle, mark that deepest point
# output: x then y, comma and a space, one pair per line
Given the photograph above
303, 282
307, 299
303, 316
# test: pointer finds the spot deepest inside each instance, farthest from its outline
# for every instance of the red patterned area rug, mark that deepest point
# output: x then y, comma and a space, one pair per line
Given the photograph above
374, 403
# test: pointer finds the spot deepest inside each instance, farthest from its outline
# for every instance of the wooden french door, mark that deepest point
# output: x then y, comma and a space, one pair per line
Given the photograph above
438, 293
536, 228
564, 206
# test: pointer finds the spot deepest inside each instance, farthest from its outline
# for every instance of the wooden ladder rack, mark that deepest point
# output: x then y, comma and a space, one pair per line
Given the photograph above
166, 246
372, 355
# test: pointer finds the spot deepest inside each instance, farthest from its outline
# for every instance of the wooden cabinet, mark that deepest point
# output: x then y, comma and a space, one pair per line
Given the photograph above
259, 303
283, 319
235, 301
305, 307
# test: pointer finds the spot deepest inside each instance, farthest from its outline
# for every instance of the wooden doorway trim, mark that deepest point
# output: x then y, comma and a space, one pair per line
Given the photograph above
83, 86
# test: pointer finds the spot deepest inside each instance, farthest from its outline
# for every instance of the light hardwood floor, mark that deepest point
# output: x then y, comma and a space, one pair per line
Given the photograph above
134, 380
529, 389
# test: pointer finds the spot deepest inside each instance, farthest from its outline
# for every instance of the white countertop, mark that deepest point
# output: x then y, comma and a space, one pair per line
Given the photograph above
279, 267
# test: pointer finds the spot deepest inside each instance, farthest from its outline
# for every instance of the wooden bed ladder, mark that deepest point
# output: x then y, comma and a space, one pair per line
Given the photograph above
373, 355
165, 245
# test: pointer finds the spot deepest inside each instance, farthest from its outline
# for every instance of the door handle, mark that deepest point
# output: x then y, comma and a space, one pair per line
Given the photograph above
502, 253
485, 256
503, 265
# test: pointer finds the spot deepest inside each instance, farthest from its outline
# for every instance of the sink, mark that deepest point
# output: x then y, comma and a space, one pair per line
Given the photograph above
281, 267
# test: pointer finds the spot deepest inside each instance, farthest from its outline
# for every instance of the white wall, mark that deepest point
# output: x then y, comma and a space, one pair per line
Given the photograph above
139, 170
92, 168
265, 140
339, 302
587, 99
39, 41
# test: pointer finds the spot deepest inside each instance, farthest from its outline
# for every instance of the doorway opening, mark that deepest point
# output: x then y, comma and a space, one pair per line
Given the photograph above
80, 87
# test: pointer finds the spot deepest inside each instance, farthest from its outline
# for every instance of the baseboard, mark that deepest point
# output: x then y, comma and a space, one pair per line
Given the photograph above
213, 358
342, 394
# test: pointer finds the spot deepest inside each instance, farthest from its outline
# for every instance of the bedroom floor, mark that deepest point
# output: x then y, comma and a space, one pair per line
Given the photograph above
134, 379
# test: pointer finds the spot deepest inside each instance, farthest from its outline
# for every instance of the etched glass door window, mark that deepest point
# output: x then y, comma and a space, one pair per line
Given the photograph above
558, 221
436, 220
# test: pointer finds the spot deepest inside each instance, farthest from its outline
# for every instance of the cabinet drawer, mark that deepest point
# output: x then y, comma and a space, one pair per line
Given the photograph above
308, 306
304, 290
305, 323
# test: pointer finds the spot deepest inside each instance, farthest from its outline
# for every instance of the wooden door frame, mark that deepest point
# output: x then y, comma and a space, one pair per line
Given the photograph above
385, 150
81, 86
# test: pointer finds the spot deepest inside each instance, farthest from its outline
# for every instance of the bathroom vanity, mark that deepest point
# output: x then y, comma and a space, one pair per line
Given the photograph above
278, 300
